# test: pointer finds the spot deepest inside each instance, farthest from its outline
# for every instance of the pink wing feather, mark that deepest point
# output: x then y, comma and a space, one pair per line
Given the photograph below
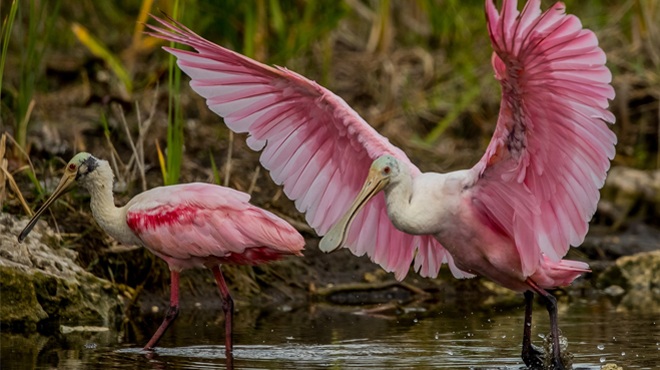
551, 149
202, 220
313, 144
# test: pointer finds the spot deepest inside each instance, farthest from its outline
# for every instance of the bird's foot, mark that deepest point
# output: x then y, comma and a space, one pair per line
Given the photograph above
533, 357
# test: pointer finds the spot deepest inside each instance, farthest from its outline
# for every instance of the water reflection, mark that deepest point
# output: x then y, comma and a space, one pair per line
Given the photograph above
321, 337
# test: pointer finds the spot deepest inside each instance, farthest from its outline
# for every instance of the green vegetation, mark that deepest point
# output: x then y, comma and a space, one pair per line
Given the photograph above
5, 33
97, 48
40, 17
175, 139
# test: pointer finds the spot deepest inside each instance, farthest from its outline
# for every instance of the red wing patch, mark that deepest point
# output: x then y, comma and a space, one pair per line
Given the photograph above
160, 217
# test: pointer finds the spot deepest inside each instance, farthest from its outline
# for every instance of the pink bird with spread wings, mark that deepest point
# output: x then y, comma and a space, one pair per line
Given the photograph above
510, 218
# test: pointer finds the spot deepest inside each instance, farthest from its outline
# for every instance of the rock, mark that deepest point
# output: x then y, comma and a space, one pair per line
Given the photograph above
614, 291
602, 243
639, 276
39, 282
630, 193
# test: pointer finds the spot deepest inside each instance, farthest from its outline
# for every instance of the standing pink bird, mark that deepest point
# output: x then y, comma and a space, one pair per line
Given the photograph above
510, 218
189, 225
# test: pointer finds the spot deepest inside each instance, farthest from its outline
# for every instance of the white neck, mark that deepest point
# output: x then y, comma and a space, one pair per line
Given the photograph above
111, 218
420, 205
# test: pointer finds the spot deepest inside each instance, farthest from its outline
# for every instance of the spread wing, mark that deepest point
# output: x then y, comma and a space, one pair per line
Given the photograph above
312, 142
539, 178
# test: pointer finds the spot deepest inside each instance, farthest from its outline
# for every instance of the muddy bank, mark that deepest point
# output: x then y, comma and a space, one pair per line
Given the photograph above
43, 283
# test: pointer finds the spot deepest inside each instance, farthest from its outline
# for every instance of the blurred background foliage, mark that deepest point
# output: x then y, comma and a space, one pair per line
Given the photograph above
434, 54
417, 70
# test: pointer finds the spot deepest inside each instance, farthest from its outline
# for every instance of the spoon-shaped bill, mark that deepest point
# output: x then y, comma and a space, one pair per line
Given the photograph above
336, 236
65, 184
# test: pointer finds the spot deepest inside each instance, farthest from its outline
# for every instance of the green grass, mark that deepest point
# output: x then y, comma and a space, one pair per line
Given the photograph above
175, 123
7, 25
214, 170
99, 49
40, 19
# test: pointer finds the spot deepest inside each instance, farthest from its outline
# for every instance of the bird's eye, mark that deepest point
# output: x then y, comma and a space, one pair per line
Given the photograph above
72, 167
387, 170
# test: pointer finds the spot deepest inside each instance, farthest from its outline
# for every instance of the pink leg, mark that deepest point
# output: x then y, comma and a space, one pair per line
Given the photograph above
172, 312
551, 304
227, 307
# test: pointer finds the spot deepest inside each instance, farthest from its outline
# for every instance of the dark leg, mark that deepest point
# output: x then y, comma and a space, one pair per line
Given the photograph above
532, 357
172, 312
551, 304
227, 307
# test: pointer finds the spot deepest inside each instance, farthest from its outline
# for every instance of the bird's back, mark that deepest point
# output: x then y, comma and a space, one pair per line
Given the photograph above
195, 224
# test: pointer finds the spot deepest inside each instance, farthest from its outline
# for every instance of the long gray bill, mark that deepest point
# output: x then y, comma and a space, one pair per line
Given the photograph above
62, 187
336, 236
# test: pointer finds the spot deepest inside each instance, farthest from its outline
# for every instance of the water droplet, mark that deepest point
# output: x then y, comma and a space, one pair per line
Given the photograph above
614, 339
437, 336
504, 336
600, 347
415, 321
623, 353
602, 359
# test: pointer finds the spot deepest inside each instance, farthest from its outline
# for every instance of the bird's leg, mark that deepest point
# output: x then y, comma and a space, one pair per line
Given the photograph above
532, 357
172, 312
227, 307
551, 304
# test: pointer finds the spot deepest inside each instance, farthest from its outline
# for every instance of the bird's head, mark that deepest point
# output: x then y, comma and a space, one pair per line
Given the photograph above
80, 167
77, 170
384, 171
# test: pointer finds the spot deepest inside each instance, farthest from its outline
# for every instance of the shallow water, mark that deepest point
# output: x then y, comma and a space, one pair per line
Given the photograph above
322, 337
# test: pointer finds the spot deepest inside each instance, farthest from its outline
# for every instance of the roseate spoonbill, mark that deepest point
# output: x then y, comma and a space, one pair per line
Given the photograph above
510, 218
187, 225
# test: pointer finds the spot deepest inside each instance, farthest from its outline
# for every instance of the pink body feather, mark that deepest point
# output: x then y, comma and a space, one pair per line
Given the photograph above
511, 217
198, 225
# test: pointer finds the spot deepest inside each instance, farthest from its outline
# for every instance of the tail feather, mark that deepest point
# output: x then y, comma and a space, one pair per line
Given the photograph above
552, 274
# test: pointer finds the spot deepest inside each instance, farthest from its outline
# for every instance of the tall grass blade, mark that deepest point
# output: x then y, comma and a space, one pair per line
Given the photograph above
7, 25
214, 170
97, 48
161, 160
175, 139
41, 20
